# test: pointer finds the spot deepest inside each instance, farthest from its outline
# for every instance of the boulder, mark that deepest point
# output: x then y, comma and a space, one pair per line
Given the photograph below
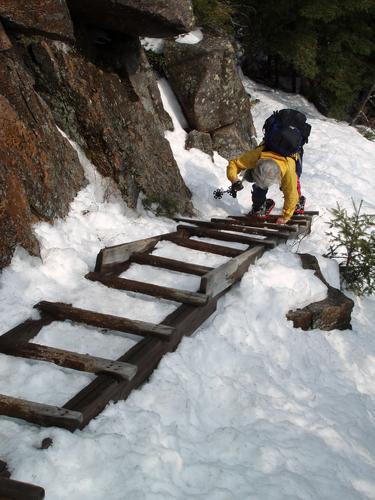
205, 78
232, 140
199, 140
154, 18
105, 108
334, 312
48, 17
39, 171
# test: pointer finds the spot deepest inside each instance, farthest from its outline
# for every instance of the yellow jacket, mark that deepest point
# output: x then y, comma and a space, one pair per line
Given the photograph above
287, 165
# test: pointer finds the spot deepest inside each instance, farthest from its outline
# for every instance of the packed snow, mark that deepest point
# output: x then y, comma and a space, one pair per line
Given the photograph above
191, 38
248, 407
153, 44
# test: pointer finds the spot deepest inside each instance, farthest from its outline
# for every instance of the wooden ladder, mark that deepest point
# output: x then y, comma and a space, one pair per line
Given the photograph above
115, 379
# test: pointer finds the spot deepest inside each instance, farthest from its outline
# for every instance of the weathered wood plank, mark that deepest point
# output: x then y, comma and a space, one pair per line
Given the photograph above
17, 490
145, 355
220, 235
27, 330
309, 213
278, 233
206, 247
261, 224
95, 396
270, 218
186, 319
110, 259
69, 359
183, 296
173, 265
41, 414
223, 277
67, 312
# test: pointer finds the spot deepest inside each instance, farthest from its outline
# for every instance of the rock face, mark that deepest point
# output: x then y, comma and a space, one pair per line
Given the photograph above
199, 140
39, 171
205, 79
132, 63
111, 109
155, 18
48, 17
332, 313
232, 140
103, 93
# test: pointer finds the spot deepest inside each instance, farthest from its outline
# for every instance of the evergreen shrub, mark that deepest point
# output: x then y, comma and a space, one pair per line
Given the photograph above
214, 15
352, 243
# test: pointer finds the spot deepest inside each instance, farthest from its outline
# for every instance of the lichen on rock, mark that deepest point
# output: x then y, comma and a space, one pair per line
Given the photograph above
205, 78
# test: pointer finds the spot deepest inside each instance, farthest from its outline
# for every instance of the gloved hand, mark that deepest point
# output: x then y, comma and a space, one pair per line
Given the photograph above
236, 186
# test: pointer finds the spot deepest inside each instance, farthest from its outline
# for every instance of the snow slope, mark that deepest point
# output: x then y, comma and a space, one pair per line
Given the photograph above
248, 408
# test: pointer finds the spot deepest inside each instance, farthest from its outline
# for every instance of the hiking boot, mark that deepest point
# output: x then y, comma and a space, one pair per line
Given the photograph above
264, 210
300, 208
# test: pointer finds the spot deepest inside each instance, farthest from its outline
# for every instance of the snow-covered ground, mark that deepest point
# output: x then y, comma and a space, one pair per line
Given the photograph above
247, 408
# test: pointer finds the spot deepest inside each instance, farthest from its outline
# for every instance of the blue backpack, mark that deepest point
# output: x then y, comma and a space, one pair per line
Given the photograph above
285, 132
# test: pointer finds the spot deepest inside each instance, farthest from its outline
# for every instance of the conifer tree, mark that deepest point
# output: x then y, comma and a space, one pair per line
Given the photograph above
330, 44
352, 243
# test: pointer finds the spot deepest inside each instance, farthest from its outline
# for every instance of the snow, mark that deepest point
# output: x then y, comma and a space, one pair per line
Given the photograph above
247, 408
191, 38
154, 44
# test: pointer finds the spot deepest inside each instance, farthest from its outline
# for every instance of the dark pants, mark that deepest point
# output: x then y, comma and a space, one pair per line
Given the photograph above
259, 195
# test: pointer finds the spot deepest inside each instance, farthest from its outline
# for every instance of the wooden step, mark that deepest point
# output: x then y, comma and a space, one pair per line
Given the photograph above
277, 233
310, 213
173, 265
41, 414
113, 259
253, 223
67, 312
205, 247
93, 398
270, 218
220, 235
17, 490
68, 359
183, 296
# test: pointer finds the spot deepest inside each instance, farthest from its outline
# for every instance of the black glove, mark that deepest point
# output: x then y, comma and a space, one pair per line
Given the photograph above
236, 186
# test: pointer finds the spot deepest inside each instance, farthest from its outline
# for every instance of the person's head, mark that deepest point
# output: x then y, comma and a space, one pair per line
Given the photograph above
266, 173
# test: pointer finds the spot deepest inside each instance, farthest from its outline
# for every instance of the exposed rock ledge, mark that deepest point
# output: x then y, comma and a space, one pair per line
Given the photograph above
332, 313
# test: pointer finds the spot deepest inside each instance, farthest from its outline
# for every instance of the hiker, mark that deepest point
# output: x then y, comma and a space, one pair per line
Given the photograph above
277, 160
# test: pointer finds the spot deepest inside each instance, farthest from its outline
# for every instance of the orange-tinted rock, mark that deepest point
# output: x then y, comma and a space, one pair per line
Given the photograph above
48, 17
113, 118
39, 171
